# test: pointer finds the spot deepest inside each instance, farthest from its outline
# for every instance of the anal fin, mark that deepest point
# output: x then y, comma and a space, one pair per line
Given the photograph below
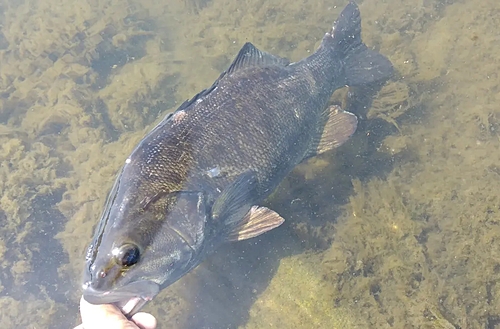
338, 126
256, 222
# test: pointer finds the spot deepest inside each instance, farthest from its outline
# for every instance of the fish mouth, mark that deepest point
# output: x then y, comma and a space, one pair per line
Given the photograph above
129, 299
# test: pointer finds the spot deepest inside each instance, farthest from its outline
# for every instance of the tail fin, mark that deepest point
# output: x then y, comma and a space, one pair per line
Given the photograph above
362, 65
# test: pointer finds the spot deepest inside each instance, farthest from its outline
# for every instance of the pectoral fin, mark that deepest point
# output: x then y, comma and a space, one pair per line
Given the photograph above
235, 201
234, 209
257, 221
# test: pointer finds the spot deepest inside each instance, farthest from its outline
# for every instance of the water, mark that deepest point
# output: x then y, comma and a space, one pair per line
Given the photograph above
399, 228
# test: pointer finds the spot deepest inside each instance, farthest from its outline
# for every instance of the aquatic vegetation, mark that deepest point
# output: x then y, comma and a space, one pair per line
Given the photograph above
391, 102
299, 297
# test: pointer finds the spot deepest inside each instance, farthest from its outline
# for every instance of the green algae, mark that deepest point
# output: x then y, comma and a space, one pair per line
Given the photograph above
299, 297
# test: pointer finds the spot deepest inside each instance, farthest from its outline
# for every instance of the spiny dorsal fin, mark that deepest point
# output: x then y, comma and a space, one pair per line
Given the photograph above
338, 126
257, 221
199, 95
250, 56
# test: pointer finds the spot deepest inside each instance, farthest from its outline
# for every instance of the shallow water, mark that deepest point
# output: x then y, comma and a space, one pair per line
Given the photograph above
399, 228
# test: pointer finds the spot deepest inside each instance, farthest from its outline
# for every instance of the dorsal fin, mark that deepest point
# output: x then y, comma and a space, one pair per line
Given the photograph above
199, 95
251, 56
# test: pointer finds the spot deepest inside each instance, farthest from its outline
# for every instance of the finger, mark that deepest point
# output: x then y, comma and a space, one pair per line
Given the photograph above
103, 316
144, 320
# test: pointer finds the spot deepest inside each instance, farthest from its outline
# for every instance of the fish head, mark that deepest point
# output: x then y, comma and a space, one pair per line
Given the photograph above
142, 245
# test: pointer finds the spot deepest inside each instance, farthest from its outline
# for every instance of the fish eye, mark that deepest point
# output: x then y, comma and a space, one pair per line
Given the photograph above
127, 254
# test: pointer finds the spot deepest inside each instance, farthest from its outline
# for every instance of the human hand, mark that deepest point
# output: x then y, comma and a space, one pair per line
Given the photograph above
108, 316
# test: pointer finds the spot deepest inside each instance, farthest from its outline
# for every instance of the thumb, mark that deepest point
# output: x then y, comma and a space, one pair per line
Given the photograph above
104, 316
144, 320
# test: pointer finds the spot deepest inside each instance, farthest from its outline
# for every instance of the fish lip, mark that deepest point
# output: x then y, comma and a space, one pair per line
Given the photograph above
129, 299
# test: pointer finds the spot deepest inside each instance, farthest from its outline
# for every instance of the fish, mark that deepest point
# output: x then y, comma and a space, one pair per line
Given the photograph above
199, 178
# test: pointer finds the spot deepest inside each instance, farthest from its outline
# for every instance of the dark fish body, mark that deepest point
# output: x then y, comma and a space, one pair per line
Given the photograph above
197, 179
